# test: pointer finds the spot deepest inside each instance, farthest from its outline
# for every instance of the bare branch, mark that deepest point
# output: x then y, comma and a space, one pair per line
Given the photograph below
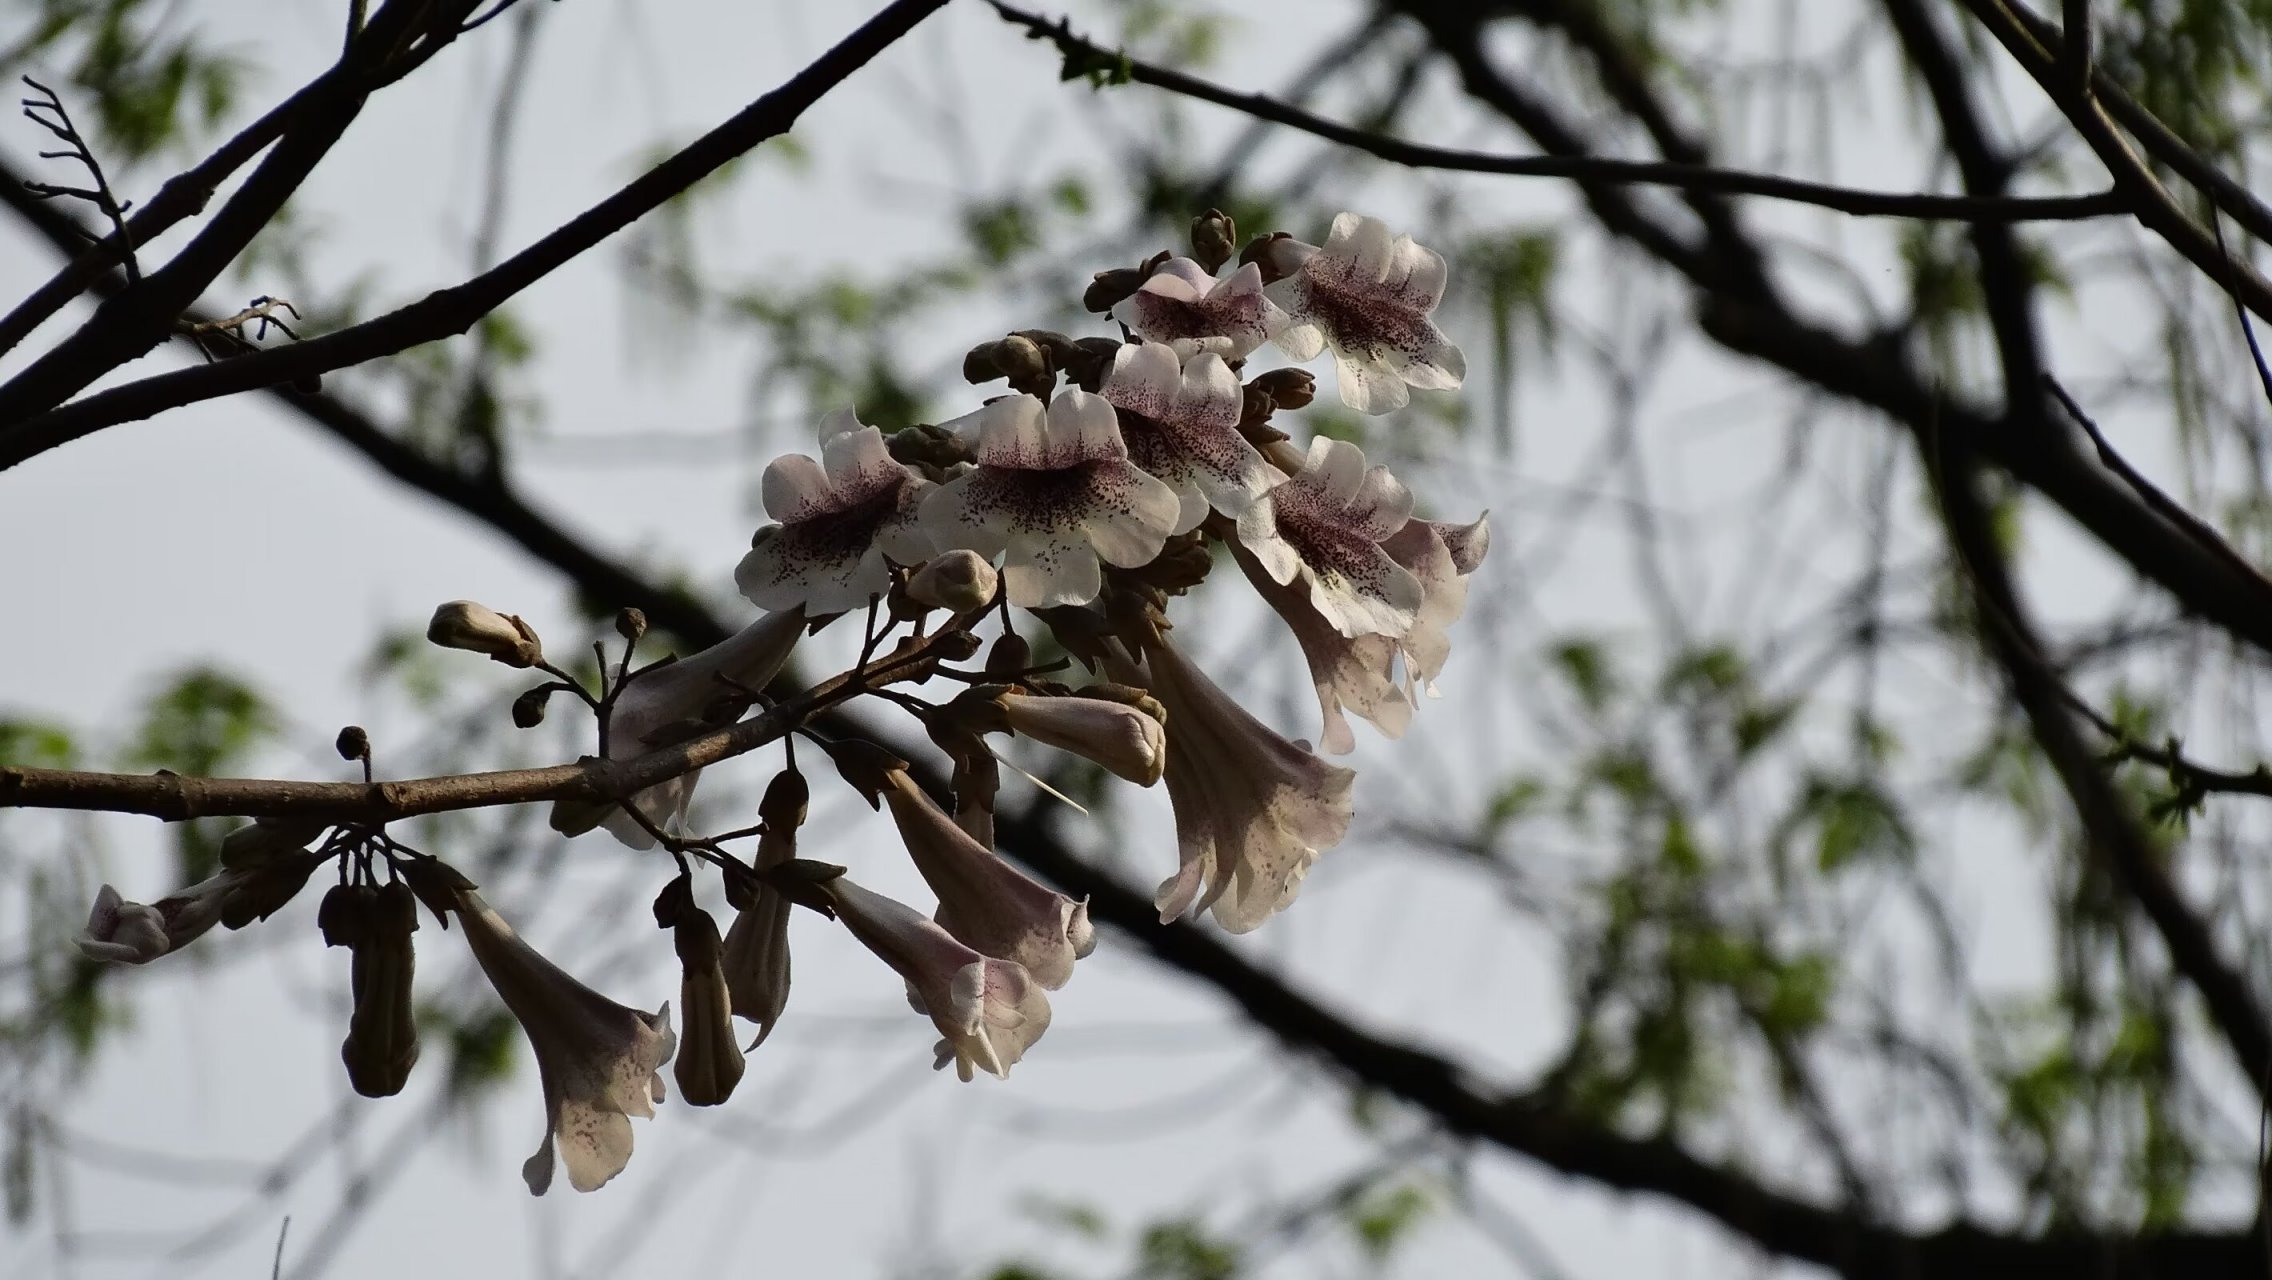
455, 310
1081, 54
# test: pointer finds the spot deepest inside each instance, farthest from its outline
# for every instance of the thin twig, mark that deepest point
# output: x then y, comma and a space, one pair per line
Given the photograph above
101, 195
1083, 56
2149, 493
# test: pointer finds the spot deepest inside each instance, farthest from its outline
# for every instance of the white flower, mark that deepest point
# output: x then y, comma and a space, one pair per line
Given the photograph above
990, 1011
1332, 517
477, 628
839, 518
1357, 674
1252, 810
599, 1061
1352, 673
122, 932
658, 704
1368, 297
957, 581
1441, 556
1181, 424
1121, 738
1183, 305
1053, 489
984, 902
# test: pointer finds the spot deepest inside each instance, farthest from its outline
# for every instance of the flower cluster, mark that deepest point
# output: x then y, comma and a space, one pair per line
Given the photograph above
1108, 481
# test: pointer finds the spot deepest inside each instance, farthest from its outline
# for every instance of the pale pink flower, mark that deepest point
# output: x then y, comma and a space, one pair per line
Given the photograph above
1332, 517
990, 1011
984, 902
1121, 738
1358, 674
122, 932
662, 701
839, 519
1180, 420
1352, 673
1441, 556
1054, 493
757, 944
1184, 306
1252, 810
600, 1062
1368, 296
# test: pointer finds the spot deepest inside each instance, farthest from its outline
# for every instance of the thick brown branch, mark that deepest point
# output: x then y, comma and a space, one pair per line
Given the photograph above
176, 798
454, 310
1687, 177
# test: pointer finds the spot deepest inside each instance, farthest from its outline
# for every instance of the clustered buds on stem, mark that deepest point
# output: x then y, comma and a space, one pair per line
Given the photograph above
1113, 477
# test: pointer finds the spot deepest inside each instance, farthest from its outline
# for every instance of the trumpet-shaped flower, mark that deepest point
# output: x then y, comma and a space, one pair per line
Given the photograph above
1355, 674
1332, 517
984, 902
1368, 296
838, 520
1441, 556
121, 931
599, 1061
1055, 491
1184, 306
1180, 420
1252, 810
757, 945
1122, 738
660, 702
710, 1062
989, 1011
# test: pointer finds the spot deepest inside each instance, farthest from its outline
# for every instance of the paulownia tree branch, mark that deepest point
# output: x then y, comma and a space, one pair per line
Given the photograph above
456, 309
1081, 52
175, 798
2110, 828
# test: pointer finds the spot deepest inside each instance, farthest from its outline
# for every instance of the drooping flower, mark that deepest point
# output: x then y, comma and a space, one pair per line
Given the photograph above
1183, 305
757, 945
600, 1062
1055, 491
659, 704
990, 1011
1441, 556
1352, 673
1332, 517
709, 1064
1120, 737
121, 931
382, 1033
838, 520
1180, 421
1357, 674
1368, 296
984, 902
1252, 810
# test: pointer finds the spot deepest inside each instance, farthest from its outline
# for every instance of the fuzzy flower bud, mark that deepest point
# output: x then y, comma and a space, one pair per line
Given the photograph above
959, 582
477, 628
382, 1035
1214, 238
1287, 388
